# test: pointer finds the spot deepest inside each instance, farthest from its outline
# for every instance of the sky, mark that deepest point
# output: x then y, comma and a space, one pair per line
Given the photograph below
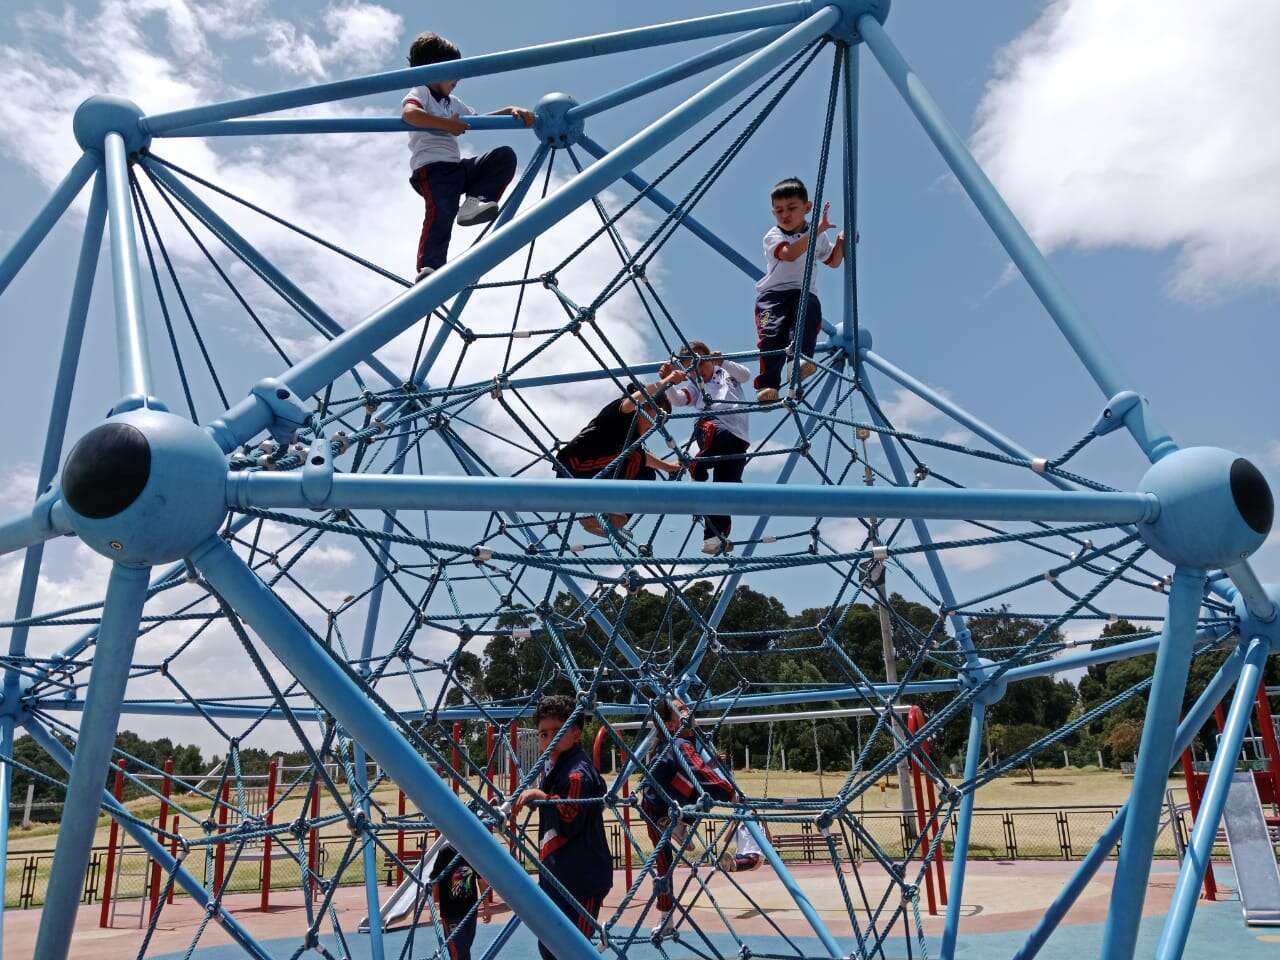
1138, 152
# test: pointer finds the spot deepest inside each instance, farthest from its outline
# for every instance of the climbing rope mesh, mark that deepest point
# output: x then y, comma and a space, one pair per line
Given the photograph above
618, 620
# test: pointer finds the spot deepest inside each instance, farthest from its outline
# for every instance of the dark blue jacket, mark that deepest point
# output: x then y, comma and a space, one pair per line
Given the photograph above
571, 839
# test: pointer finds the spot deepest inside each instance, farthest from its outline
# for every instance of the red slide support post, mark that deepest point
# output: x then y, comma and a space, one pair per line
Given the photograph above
1193, 798
109, 877
313, 843
913, 724
941, 874
220, 855
272, 771
1270, 748
166, 788
400, 805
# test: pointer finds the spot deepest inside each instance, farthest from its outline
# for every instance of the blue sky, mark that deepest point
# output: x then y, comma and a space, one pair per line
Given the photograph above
1143, 162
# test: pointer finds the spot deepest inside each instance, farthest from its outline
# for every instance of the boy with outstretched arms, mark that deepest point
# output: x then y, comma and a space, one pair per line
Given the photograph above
778, 293
714, 386
440, 174
571, 840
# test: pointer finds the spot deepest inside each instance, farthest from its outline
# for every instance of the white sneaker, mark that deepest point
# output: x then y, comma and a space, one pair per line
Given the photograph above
767, 395
424, 273
475, 211
712, 546
666, 930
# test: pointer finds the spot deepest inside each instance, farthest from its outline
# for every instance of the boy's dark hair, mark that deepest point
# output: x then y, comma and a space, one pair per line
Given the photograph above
432, 48
788, 189
694, 348
557, 706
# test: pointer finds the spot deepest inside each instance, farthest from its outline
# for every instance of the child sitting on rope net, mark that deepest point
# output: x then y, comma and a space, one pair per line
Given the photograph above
571, 842
456, 890
611, 445
778, 292
439, 172
715, 388
678, 774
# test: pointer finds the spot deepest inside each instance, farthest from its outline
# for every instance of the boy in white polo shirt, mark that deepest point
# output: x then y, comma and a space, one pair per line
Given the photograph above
715, 387
441, 175
778, 291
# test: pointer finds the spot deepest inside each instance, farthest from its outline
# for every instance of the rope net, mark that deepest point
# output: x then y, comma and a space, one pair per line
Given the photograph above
470, 619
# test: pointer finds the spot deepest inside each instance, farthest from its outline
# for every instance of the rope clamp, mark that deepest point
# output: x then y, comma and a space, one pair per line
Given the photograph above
1039, 464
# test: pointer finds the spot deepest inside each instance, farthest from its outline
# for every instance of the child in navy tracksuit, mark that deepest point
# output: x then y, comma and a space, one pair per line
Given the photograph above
441, 175
456, 889
571, 840
677, 771
778, 293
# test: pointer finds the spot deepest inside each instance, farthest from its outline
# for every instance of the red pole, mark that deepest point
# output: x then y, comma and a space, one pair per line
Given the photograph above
313, 849
1262, 714
626, 819
488, 759
921, 824
457, 755
933, 818
165, 789
220, 855
272, 767
1193, 797
173, 844
400, 840
118, 792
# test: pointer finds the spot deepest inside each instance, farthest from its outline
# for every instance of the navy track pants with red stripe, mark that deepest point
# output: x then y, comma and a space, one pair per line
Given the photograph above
591, 904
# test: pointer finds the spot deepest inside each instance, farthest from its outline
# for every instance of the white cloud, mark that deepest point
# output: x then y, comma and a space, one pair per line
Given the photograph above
1144, 124
364, 36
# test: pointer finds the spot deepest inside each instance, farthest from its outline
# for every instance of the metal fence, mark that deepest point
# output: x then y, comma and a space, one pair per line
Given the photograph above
1008, 833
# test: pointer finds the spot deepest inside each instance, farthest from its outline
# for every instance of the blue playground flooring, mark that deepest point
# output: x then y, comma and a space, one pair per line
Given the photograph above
1218, 932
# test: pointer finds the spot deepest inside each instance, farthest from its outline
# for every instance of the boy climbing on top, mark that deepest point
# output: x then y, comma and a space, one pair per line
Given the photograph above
715, 388
778, 293
440, 174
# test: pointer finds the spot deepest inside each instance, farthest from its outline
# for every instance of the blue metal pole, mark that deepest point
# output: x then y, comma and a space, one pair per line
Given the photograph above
1152, 772
850, 78
243, 248
292, 126
131, 328
509, 208
126, 593
64, 384
154, 849
1173, 938
18, 254
674, 74
666, 205
33, 527
250, 416
957, 413
370, 853
1196, 717
583, 47
940, 578
339, 694
964, 822
1153, 439
370, 492
1087, 658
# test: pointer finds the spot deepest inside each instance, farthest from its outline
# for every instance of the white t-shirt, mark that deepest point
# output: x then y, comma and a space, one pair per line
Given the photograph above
720, 397
433, 146
788, 275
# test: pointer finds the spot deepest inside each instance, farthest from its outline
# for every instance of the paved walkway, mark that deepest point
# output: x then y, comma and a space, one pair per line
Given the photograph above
1002, 900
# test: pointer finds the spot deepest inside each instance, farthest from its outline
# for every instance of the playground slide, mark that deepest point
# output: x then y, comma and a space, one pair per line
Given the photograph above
399, 908
1252, 853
